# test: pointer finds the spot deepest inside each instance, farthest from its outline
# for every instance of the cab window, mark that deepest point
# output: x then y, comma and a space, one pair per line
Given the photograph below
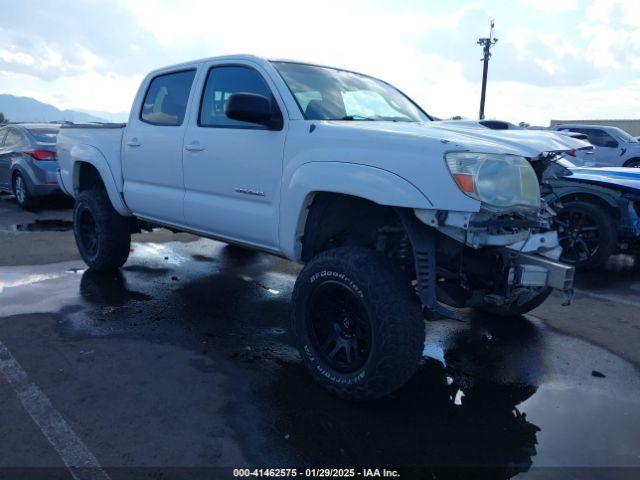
222, 82
166, 100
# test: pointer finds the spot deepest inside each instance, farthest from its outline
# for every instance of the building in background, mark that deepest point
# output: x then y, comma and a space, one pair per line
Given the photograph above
630, 126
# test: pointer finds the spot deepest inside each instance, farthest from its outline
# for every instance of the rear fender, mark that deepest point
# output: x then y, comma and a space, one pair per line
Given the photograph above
91, 155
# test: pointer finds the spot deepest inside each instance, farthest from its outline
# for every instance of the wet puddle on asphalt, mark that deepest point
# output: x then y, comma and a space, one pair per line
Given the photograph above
39, 226
507, 395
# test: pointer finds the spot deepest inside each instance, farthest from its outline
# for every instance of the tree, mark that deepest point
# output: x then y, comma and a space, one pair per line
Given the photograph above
524, 124
456, 117
3, 119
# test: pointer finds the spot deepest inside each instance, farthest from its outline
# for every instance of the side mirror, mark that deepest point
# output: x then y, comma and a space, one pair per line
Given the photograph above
253, 108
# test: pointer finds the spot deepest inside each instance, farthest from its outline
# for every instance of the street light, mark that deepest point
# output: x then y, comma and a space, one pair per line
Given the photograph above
486, 43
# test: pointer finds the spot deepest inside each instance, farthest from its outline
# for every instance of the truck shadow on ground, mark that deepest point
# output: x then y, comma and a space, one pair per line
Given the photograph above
460, 414
451, 419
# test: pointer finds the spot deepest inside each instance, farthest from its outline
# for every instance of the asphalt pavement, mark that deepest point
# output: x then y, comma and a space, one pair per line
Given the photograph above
182, 365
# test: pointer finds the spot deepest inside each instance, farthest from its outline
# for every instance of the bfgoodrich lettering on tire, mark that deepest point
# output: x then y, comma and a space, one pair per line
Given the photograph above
358, 323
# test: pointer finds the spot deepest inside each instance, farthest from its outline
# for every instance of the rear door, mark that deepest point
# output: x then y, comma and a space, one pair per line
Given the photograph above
233, 169
152, 148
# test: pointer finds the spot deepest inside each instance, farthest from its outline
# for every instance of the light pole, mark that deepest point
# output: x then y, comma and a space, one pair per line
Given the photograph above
486, 43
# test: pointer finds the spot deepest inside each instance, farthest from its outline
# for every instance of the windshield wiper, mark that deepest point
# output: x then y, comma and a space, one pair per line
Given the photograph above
358, 118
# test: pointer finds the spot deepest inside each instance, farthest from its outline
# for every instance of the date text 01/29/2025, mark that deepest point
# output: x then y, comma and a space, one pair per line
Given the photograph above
316, 472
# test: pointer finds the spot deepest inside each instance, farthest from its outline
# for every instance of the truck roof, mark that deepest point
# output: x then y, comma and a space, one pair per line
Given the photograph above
256, 58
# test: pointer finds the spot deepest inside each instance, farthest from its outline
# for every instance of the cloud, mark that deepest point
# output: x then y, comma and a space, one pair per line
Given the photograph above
552, 58
552, 6
612, 30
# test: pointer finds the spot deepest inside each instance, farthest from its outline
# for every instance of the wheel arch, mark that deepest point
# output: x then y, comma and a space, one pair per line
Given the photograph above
604, 201
91, 168
632, 160
342, 182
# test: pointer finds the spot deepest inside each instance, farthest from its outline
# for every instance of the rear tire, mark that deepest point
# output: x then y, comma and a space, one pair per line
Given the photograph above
21, 191
102, 235
358, 323
587, 233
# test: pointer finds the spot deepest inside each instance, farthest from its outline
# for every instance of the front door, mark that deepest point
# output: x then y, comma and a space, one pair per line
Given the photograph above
152, 149
233, 169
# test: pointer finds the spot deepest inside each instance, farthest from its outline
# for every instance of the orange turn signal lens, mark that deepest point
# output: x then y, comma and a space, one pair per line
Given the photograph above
465, 182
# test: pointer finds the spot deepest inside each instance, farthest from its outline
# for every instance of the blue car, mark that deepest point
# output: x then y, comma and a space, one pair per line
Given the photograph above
598, 210
28, 161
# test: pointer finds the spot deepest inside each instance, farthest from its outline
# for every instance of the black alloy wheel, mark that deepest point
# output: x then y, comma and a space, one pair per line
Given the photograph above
587, 234
87, 232
339, 326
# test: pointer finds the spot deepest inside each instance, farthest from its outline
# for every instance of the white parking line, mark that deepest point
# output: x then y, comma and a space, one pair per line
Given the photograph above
82, 464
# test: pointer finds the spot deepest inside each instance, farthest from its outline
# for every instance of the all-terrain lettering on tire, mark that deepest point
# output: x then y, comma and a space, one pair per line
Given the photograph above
358, 323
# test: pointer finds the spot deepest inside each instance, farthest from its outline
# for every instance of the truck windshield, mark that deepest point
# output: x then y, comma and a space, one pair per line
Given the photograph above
326, 93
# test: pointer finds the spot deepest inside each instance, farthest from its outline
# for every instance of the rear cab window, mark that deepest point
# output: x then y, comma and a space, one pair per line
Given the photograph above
165, 102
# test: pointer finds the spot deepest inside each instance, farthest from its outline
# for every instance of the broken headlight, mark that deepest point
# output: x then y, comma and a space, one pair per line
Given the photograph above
498, 181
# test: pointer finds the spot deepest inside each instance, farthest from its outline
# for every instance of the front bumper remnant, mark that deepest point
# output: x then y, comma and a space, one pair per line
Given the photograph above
537, 271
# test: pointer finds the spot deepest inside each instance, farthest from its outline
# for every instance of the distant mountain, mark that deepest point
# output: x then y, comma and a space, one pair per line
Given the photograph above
25, 109
117, 117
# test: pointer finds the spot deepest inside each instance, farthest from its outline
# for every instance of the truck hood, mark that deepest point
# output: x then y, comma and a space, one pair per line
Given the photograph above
527, 143
619, 177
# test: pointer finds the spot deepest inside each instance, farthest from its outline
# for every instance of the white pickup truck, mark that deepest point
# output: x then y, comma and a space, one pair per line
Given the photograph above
394, 217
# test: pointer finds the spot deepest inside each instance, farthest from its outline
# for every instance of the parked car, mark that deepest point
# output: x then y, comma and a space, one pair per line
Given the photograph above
598, 210
393, 216
28, 161
614, 147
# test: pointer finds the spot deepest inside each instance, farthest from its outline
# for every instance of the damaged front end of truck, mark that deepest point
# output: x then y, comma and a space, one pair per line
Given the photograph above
503, 258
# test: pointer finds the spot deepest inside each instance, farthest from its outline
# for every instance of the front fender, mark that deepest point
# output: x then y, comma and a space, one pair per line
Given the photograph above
88, 154
371, 183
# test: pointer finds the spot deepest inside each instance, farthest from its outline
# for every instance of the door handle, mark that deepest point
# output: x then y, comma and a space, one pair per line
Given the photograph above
194, 147
134, 142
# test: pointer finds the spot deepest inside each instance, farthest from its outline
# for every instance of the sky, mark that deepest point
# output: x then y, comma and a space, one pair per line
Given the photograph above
560, 59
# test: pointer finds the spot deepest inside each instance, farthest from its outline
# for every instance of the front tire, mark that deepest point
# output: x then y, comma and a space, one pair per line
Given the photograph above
358, 323
102, 235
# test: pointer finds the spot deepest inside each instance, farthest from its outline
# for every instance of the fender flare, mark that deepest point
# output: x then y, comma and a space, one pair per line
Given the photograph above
88, 154
371, 183
592, 191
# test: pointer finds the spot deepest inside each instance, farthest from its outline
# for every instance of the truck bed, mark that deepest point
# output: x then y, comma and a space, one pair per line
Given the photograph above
96, 143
